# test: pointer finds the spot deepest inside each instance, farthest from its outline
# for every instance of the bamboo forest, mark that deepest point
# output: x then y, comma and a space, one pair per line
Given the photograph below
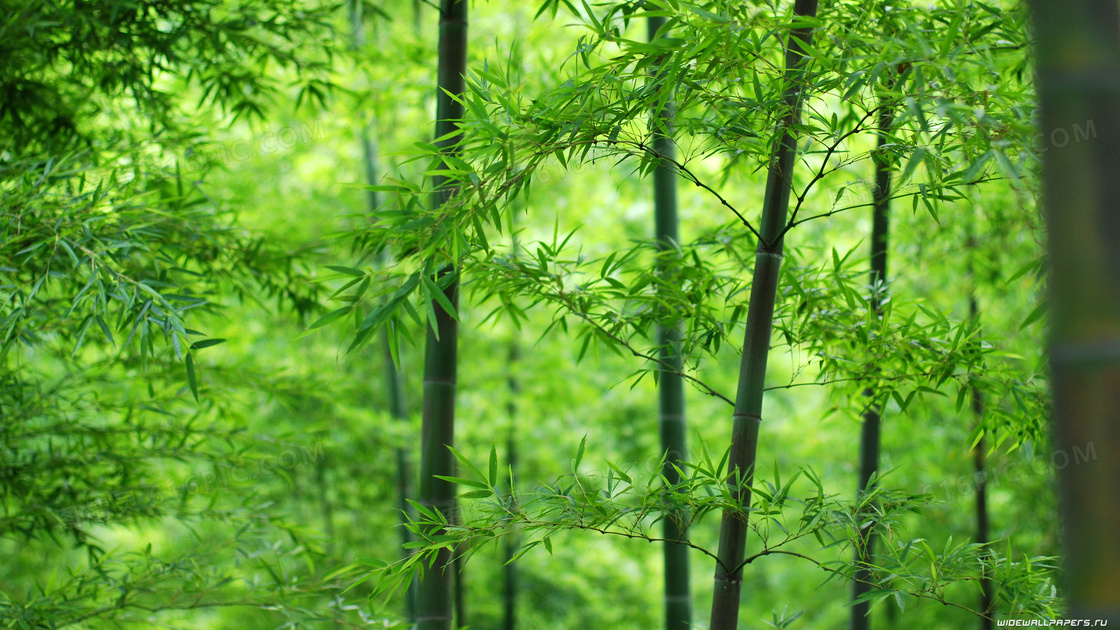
559, 314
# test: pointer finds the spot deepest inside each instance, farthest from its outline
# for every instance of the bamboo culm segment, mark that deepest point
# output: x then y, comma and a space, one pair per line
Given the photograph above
513, 542
671, 416
509, 619
434, 601
756, 343
872, 420
1078, 71
987, 591
435, 595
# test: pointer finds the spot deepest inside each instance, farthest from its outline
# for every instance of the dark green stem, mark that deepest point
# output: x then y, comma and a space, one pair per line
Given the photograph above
671, 417
1078, 83
987, 595
760, 320
869, 434
509, 620
435, 593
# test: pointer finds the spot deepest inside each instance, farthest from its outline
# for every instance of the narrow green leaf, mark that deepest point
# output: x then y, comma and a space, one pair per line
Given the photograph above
493, 466
464, 482
206, 343
579, 454
1035, 315
350, 271
192, 380
438, 295
330, 317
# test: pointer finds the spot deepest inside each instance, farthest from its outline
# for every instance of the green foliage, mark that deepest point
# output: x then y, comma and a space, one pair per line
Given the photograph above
786, 518
110, 271
69, 64
955, 77
154, 314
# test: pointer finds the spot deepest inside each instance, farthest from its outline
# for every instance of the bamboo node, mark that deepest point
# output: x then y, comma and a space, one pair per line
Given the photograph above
748, 415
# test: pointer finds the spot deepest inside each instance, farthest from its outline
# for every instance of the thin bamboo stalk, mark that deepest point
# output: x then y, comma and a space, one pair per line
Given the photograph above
512, 542
756, 343
435, 594
671, 415
872, 420
983, 536
1078, 82
509, 619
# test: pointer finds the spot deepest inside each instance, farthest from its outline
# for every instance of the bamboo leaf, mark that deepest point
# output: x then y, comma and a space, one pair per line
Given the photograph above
579, 454
621, 473
1034, 315
438, 295
192, 379
350, 271
493, 466
469, 466
206, 343
465, 482
330, 317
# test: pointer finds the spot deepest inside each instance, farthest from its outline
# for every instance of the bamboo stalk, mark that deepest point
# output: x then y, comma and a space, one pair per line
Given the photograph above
509, 598
872, 420
435, 594
987, 600
756, 343
512, 542
671, 415
1078, 80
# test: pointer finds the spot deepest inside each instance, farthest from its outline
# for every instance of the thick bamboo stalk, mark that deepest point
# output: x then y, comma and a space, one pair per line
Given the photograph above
756, 343
435, 604
671, 415
1078, 79
872, 420
434, 596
